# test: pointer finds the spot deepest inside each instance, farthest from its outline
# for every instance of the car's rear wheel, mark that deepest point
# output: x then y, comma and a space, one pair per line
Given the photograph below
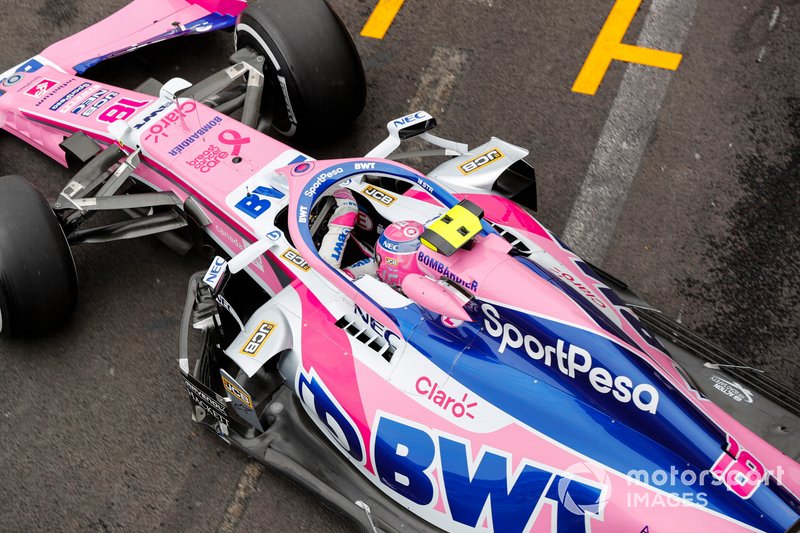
314, 77
38, 281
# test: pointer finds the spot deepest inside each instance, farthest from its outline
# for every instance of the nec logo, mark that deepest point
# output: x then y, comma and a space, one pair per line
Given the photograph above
257, 340
215, 272
410, 119
481, 161
296, 260
389, 335
379, 196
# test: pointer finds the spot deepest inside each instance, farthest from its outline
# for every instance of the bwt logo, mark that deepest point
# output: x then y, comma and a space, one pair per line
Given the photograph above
257, 203
476, 482
341, 241
152, 115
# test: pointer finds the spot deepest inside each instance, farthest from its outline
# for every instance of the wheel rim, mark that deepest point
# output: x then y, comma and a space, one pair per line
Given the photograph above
279, 100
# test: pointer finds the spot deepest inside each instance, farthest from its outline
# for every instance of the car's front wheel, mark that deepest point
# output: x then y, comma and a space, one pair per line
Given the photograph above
314, 78
38, 281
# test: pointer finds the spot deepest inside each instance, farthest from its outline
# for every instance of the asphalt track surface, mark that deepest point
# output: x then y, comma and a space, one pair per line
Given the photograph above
705, 224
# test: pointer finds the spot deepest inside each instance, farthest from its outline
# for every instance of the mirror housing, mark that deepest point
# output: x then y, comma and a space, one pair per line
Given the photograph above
435, 296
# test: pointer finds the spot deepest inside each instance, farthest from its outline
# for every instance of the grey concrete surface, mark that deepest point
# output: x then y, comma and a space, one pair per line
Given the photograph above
94, 423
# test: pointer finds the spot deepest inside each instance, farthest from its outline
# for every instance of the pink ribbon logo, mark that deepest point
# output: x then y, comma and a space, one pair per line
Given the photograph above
235, 139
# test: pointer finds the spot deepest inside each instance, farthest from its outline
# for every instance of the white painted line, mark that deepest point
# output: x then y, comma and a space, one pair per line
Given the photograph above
438, 80
774, 18
238, 505
626, 133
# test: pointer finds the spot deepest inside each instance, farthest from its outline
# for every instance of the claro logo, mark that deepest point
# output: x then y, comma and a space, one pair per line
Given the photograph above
443, 400
572, 361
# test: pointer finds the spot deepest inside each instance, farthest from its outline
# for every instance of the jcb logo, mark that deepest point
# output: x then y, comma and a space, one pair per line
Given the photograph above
481, 161
379, 196
296, 260
254, 344
236, 392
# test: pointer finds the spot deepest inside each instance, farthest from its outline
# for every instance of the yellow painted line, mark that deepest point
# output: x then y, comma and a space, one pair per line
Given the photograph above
609, 47
381, 18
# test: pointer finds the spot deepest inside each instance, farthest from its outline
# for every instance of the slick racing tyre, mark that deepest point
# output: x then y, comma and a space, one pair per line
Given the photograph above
314, 77
38, 282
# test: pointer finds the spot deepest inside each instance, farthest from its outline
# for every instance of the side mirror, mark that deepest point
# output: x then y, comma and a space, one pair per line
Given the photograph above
401, 129
437, 297
412, 125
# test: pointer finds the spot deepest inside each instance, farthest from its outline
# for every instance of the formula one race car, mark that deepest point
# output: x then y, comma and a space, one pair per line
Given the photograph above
296, 70
416, 350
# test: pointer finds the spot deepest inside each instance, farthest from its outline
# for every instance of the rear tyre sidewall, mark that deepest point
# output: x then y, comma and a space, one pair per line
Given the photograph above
38, 281
312, 67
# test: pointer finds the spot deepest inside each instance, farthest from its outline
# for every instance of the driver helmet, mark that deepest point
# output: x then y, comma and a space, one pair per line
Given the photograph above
396, 252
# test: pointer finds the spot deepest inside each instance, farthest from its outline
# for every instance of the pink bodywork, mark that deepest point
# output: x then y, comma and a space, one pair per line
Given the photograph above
206, 170
369, 400
507, 213
30, 110
138, 22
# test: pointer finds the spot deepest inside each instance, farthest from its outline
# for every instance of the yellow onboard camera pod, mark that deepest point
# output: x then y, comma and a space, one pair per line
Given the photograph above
454, 229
